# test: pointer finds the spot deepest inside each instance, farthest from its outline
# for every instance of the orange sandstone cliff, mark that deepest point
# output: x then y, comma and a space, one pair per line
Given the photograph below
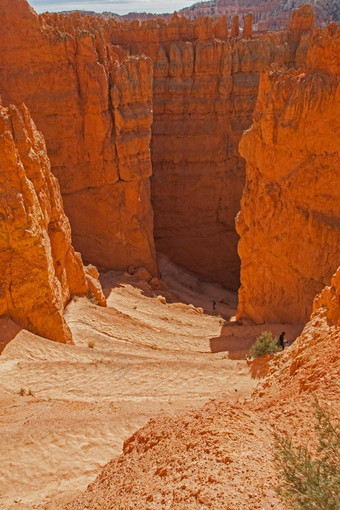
95, 100
204, 96
204, 91
40, 270
290, 216
94, 108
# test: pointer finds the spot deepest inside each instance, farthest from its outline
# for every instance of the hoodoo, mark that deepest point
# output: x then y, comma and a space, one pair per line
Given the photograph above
290, 216
193, 99
40, 270
93, 105
178, 113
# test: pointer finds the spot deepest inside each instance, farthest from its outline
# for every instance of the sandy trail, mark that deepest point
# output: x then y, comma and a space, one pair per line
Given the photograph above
66, 410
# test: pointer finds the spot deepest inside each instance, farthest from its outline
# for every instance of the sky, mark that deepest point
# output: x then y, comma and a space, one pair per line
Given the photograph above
116, 6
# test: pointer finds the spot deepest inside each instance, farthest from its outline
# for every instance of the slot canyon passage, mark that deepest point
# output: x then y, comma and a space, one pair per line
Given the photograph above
196, 165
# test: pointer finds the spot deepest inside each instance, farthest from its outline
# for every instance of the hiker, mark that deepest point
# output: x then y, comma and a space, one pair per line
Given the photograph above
214, 305
281, 341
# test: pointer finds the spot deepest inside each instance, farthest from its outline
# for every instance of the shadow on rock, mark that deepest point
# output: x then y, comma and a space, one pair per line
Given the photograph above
8, 331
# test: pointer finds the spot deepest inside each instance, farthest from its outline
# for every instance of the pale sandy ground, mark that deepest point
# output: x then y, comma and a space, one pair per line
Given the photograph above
149, 358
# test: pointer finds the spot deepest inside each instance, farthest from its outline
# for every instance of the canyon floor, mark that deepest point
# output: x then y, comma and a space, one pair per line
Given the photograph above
66, 410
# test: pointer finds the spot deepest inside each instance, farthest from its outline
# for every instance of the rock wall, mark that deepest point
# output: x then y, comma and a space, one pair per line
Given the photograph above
40, 270
93, 105
290, 216
204, 92
204, 96
327, 303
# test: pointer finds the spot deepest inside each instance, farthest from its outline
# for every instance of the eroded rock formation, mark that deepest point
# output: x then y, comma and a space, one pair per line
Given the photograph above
204, 92
204, 95
200, 86
40, 270
290, 217
268, 14
327, 303
93, 106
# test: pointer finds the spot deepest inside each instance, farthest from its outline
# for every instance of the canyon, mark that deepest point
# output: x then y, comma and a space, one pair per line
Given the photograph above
172, 99
188, 160
192, 93
268, 15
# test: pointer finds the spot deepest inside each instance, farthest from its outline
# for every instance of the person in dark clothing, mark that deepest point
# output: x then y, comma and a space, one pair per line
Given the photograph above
214, 305
280, 341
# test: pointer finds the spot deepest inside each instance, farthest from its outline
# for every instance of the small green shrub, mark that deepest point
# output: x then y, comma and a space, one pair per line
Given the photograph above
264, 344
91, 343
311, 482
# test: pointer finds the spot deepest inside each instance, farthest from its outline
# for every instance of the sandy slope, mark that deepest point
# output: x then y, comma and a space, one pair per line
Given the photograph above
79, 404
222, 455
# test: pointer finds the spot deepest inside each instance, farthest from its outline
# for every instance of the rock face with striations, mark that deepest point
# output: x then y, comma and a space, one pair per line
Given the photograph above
204, 91
40, 270
290, 216
93, 104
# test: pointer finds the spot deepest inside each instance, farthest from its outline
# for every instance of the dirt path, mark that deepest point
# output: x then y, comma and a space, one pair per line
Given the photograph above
66, 410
